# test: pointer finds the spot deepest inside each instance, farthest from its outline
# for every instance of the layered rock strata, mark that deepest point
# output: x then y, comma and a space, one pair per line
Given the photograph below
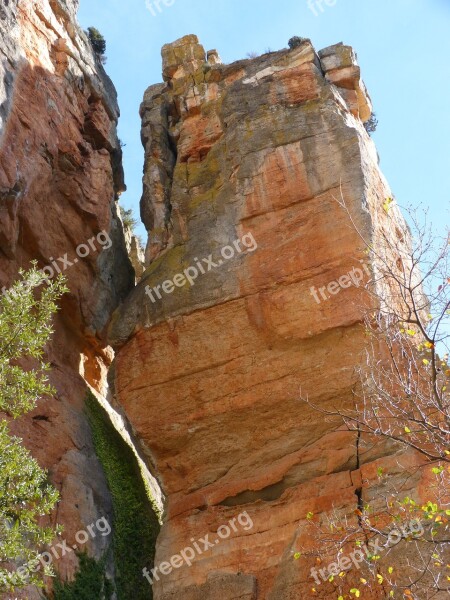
251, 301
60, 175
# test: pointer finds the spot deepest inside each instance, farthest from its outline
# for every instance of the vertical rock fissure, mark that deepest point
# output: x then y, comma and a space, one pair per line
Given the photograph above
359, 490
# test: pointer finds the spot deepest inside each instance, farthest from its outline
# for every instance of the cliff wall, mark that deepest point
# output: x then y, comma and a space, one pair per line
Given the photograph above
252, 300
60, 176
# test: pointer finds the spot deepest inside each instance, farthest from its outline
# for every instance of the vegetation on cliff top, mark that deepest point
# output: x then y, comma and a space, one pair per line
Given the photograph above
296, 41
372, 124
97, 40
98, 43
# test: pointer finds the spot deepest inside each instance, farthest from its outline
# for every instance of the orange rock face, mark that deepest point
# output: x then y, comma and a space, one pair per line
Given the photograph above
244, 166
60, 174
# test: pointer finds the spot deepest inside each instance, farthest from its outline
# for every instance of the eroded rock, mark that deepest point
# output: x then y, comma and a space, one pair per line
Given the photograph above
60, 175
210, 372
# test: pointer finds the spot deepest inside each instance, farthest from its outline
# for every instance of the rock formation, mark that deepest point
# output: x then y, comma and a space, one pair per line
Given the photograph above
236, 317
250, 301
60, 175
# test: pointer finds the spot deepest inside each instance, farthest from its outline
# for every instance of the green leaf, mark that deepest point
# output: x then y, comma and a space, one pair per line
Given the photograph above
26, 313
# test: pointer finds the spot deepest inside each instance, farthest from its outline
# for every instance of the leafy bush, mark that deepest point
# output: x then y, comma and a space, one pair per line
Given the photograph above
90, 582
372, 124
128, 218
296, 41
25, 494
98, 42
136, 525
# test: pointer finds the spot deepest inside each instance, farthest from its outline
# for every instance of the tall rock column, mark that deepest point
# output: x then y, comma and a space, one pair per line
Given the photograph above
60, 176
235, 319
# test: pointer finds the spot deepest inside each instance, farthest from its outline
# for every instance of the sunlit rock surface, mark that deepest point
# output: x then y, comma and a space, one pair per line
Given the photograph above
211, 375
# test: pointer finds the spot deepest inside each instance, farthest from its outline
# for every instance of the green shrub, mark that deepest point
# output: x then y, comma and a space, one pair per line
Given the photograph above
128, 218
26, 313
90, 582
135, 526
372, 124
98, 42
296, 41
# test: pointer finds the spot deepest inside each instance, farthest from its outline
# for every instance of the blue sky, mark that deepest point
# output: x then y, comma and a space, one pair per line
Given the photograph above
403, 48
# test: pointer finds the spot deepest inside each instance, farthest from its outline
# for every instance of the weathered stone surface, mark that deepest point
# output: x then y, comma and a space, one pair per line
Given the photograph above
60, 174
341, 68
136, 254
211, 375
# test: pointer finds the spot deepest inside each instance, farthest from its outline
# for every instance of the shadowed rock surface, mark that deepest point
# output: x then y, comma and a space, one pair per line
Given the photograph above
60, 175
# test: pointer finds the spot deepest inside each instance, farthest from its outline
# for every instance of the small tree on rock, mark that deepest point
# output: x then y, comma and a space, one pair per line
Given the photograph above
296, 41
98, 42
372, 124
26, 495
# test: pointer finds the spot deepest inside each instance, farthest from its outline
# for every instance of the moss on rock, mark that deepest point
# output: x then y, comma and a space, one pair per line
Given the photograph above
135, 524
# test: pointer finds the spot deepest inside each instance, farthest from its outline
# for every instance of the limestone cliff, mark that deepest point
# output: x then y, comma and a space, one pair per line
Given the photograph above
60, 175
233, 320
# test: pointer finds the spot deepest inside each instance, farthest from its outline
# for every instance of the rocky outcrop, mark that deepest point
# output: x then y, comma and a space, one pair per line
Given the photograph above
135, 252
60, 175
251, 300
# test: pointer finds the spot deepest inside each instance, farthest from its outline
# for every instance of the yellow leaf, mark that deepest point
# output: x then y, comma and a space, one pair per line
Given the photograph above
387, 204
425, 361
390, 570
407, 430
380, 579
